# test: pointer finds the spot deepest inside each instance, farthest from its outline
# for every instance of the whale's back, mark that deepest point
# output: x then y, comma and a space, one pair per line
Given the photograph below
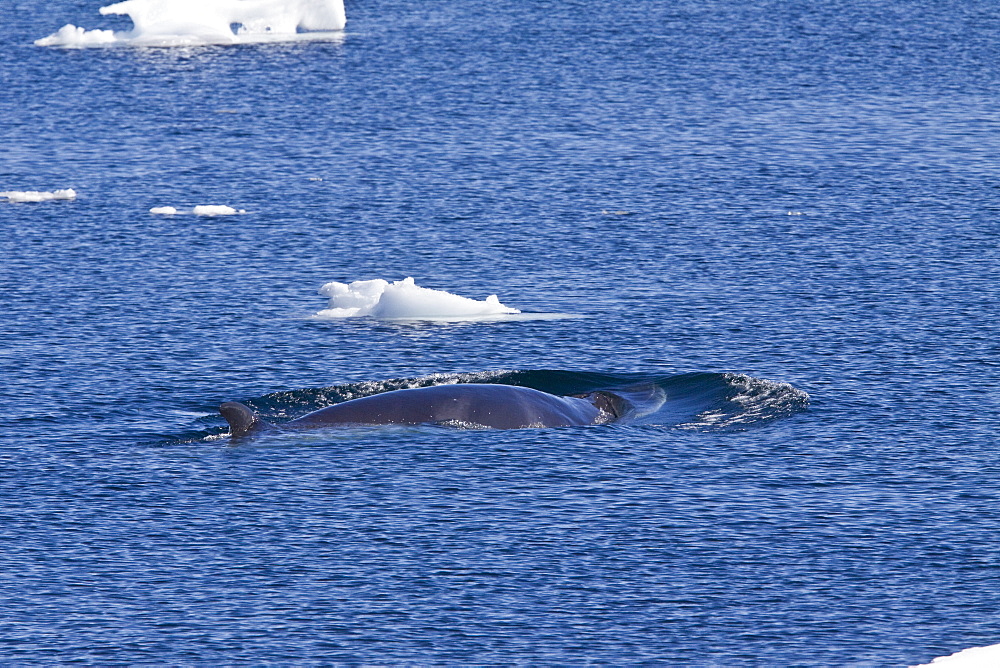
484, 405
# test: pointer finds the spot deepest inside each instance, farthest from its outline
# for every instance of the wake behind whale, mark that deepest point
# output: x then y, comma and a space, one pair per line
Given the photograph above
527, 399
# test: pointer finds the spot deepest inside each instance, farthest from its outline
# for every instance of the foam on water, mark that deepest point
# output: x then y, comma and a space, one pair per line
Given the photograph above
748, 401
975, 657
195, 22
404, 300
38, 195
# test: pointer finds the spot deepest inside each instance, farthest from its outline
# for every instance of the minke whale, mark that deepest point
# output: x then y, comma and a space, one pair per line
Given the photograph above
492, 406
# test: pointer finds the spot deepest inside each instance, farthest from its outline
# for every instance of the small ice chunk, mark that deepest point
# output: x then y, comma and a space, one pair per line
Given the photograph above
404, 300
71, 35
215, 210
200, 210
38, 195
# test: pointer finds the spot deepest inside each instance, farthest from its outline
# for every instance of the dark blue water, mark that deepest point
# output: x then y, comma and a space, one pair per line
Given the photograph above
747, 202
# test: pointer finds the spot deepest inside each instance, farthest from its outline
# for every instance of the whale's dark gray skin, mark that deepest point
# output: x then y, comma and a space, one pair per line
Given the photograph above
484, 405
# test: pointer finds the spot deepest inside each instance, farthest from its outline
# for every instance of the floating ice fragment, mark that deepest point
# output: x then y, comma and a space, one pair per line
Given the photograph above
38, 195
405, 300
975, 657
215, 210
186, 22
70, 35
200, 210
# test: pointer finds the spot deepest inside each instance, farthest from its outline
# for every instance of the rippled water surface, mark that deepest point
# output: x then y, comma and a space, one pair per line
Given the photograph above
784, 216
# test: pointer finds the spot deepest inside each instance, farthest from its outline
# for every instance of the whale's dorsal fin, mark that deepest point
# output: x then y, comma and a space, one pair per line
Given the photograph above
609, 403
241, 419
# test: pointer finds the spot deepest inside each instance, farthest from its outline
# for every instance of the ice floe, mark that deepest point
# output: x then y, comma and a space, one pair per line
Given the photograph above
405, 300
215, 210
200, 210
197, 22
974, 657
38, 195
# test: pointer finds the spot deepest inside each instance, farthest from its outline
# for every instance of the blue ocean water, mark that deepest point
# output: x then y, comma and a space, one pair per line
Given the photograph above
745, 202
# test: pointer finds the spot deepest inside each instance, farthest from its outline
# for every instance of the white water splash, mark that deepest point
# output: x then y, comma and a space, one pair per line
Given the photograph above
38, 195
752, 400
975, 657
405, 300
197, 22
